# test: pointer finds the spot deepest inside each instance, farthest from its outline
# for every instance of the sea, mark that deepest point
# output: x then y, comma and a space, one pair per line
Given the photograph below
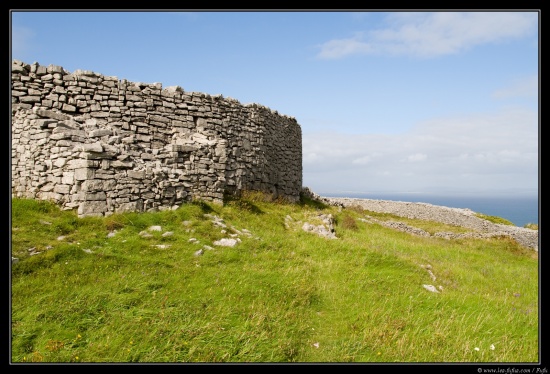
520, 210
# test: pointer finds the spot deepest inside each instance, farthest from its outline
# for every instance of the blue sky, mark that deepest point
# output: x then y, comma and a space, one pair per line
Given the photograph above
416, 102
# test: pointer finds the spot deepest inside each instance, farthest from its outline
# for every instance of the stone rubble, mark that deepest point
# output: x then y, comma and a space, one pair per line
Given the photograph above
325, 229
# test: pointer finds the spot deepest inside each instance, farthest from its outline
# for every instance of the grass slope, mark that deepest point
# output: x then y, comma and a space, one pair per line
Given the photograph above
99, 290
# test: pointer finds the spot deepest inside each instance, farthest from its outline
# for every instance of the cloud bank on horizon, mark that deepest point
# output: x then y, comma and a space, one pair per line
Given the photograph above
430, 102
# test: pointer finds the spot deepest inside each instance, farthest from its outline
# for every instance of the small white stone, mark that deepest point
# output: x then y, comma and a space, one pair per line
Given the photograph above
430, 288
226, 242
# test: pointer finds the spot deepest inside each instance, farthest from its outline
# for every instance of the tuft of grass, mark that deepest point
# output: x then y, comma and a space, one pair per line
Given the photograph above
97, 290
494, 219
349, 222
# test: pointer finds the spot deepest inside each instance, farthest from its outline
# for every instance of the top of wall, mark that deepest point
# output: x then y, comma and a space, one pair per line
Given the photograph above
35, 68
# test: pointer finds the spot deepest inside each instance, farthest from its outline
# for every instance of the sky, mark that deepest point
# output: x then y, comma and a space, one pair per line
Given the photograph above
441, 102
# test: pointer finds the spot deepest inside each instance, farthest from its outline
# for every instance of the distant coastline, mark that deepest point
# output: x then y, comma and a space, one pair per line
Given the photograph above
520, 210
463, 217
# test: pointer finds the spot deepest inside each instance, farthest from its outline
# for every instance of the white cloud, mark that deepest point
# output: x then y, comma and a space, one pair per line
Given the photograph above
362, 160
526, 87
485, 151
416, 157
334, 49
311, 157
433, 34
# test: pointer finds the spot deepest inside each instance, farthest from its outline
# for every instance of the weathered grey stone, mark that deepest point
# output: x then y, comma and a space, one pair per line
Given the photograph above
92, 208
84, 174
94, 147
99, 133
50, 114
183, 148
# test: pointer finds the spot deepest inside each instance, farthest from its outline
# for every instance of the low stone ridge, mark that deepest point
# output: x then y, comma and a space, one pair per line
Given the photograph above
452, 216
528, 238
102, 145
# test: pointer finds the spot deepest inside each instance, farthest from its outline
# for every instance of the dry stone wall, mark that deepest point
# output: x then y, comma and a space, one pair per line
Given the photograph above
102, 145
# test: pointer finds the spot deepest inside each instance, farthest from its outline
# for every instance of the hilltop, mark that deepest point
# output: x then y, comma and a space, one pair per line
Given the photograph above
257, 280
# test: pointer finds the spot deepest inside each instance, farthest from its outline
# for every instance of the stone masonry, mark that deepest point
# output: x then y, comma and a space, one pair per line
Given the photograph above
103, 145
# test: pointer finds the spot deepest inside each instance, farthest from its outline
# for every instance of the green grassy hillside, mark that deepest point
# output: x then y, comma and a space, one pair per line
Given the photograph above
154, 287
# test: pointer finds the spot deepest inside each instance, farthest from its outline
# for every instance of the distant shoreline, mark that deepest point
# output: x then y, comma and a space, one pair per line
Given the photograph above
463, 217
520, 210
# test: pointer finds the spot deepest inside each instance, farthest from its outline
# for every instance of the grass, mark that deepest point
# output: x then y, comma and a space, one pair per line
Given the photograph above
97, 289
503, 221
494, 219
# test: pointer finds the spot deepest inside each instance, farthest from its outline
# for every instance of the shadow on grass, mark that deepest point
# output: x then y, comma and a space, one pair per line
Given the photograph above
308, 202
246, 205
205, 208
